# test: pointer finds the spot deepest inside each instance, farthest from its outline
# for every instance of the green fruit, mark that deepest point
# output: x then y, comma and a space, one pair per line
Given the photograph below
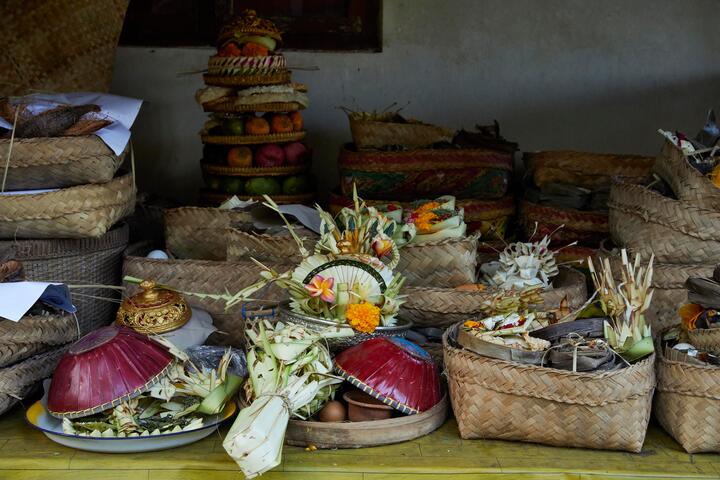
234, 126
295, 185
233, 185
213, 182
262, 186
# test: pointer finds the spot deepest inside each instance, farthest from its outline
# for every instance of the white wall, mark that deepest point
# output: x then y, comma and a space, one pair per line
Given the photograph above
557, 74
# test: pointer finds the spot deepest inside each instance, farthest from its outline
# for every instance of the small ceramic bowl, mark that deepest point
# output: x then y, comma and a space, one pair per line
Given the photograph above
363, 408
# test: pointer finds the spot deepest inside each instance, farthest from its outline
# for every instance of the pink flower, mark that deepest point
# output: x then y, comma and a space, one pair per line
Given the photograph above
322, 287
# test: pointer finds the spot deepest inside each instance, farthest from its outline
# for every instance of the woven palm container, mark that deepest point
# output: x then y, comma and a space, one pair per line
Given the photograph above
67, 45
206, 277
279, 249
707, 339
442, 307
57, 162
687, 403
379, 130
88, 261
18, 380
33, 335
200, 233
689, 185
675, 231
584, 227
512, 401
585, 169
74, 212
425, 173
444, 263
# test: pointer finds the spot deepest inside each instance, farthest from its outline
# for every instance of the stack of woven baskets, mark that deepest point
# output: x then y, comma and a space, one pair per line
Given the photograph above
683, 232
569, 189
253, 139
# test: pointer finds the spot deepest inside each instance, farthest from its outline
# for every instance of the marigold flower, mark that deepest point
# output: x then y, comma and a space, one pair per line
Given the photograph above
363, 317
322, 287
472, 324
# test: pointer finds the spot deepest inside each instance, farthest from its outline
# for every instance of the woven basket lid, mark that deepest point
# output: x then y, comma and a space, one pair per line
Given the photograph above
248, 23
67, 45
394, 370
104, 368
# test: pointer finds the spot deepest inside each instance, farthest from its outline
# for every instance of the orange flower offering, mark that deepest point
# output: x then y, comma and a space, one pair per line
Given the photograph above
689, 314
471, 324
363, 317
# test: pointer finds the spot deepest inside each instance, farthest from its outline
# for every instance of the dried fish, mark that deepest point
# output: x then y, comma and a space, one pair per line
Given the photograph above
53, 122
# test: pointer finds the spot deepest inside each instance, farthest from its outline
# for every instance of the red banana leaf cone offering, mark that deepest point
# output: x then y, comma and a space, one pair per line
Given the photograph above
393, 370
104, 368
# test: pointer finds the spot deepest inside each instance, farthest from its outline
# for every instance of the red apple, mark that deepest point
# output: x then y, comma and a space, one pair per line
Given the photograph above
269, 155
296, 153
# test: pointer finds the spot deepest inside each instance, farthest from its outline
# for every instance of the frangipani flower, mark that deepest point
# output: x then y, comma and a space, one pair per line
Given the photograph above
322, 287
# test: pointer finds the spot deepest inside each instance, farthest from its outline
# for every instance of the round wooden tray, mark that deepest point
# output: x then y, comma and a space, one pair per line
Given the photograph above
303, 433
210, 198
228, 106
253, 139
247, 80
254, 171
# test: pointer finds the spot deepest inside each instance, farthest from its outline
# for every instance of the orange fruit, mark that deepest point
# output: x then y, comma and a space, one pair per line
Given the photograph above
257, 126
239, 157
281, 124
297, 121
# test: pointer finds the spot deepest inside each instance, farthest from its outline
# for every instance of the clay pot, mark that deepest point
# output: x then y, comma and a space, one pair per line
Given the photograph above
364, 408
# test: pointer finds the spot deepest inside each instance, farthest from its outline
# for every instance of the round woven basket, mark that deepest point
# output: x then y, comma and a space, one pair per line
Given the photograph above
68, 45
200, 233
425, 173
512, 401
585, 169
688, 184
442, 307
247, 80
281, 249
33, 335
253, 139
230, 106
444, 263
254, 171
687, 403
57, 162
88, 261
213, 199
208, 277
18, 380
707, 339
74, 212
337, 344
587, 228
675, 231
246, 66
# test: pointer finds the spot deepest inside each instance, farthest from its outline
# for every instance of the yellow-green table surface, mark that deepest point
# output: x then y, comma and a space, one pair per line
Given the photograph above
27, 454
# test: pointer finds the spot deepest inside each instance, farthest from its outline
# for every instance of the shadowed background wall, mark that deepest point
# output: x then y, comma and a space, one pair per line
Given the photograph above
557, 74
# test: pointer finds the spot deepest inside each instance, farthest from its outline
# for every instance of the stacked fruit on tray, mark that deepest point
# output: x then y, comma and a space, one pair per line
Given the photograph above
253, 140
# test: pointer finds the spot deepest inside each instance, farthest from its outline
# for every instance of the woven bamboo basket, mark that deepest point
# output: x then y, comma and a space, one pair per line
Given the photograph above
511, 401
586, 228
18, 380
279, 249
687, 403
68, 45
425, 173
377, 131
584, 169
75, 212
89, 261
445, 263
707, 339
209, 198
442, 307
252, 139
204, 276
274, 78
200, 233
58, 162
675, 231
688, 184
33, 335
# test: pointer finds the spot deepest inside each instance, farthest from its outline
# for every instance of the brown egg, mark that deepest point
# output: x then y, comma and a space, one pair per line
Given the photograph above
333, 411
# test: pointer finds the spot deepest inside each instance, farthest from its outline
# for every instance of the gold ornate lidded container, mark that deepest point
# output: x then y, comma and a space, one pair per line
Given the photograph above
154, 310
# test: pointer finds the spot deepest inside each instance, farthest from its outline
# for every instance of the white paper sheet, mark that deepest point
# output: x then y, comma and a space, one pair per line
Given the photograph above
264, 217
16, 298
122, 110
